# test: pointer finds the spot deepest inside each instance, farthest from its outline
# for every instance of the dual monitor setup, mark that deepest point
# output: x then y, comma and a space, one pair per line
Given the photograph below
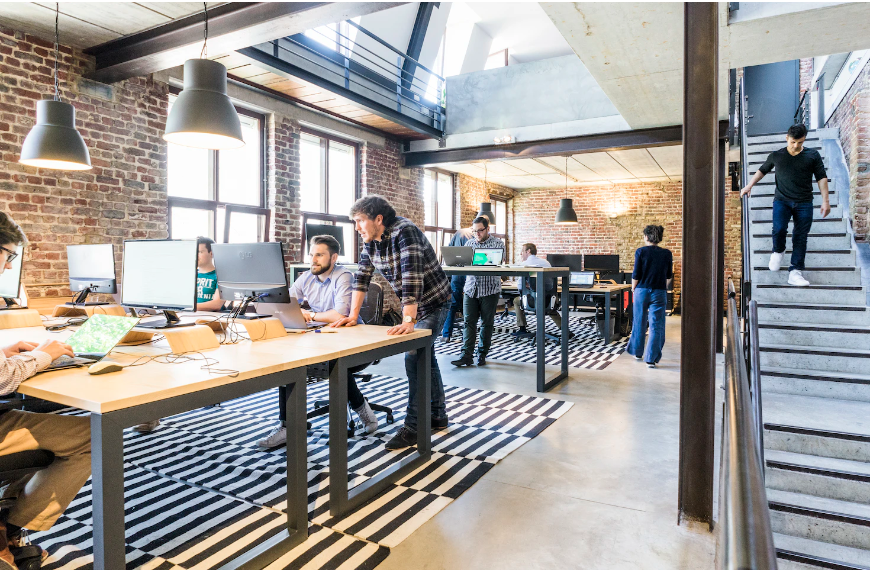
161, 275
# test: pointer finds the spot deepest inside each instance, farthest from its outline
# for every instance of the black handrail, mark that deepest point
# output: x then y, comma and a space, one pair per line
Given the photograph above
745, 535
800, 106
396, 51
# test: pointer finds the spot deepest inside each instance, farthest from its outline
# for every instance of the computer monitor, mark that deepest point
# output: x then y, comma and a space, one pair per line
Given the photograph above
573, 261
601, 263
251, 272
91, 270
160, 274
10, 282
337, 232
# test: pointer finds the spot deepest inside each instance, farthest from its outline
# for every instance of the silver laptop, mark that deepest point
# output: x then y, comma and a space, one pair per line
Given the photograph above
94, 340
488, 256
290, 314
581, 279
457, 256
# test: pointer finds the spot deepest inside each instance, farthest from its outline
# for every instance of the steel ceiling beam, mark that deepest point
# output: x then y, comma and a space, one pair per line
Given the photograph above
231, 26
415, 44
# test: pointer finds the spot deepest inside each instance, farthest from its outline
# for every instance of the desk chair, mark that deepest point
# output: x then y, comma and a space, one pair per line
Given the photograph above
549, 308
14, 466
372, 313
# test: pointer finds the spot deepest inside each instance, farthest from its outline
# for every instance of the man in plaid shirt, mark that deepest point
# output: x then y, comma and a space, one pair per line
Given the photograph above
481, 300
403, 255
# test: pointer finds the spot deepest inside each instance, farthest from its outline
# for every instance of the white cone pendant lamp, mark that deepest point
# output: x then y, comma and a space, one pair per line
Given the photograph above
203, 116
54, 141
566, 216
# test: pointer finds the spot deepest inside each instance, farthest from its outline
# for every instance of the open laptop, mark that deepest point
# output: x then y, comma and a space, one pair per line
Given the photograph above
582, 279
457, 256
94, 340
290, 314
488, 256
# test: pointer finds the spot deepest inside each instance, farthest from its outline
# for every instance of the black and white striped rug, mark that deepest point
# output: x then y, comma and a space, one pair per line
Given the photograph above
198, 492
586, 350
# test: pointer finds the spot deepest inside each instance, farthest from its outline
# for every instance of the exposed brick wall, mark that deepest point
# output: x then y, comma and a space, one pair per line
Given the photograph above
471, 192
122, 197
611, 221
282, 191
383, 174
806, 74
852, 117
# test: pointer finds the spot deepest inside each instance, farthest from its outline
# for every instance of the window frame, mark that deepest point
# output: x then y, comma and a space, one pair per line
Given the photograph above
306, 216
504, 236
324, 198
214, 204
441, 230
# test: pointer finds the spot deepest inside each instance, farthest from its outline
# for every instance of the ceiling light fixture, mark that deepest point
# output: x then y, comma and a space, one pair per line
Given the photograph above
203, 116
54, 142
566, 214
486, 207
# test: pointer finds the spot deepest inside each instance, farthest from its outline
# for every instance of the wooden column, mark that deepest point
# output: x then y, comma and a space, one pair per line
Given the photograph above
700, 173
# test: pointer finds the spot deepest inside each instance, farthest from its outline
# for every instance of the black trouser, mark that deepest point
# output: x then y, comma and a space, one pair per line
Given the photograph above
354, 398
475, 308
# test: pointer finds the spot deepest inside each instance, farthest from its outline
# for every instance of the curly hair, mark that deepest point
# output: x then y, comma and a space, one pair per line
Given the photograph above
373, 206
654, 233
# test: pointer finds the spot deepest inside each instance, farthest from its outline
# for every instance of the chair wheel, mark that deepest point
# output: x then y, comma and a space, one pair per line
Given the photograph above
391, 419
28, 557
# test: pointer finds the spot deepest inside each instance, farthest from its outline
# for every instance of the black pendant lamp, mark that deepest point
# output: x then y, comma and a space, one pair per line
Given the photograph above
566, 215
54, 142
486, 207
203, 116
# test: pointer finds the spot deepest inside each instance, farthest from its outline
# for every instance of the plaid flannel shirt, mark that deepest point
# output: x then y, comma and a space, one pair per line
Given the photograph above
476, 287
407, 261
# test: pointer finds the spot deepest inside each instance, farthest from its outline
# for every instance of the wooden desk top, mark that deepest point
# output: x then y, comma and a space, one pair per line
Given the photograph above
156, 381
598, 288
504, 269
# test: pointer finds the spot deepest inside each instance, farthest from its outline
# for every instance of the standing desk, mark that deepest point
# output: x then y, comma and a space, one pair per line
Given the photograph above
541, 274
143, 393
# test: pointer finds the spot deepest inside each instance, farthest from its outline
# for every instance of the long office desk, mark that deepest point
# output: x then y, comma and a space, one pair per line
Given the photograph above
154, 390
606, 291
550, 272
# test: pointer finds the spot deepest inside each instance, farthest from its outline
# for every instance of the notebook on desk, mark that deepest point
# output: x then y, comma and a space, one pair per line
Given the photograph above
582, 279
94, 340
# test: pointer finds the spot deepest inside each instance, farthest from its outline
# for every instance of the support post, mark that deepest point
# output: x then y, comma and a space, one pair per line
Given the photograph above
697, 367
720, 250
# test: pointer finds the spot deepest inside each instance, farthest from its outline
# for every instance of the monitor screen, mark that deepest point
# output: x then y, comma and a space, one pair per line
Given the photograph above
91, 265
573, 261
10, 280
159, 274
250, 270
582, 278
488, 256
601, 263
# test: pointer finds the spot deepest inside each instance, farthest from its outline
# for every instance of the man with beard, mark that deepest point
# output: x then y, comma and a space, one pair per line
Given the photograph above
325, 293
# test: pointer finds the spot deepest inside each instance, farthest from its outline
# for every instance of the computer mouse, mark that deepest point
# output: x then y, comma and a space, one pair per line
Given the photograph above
104, 368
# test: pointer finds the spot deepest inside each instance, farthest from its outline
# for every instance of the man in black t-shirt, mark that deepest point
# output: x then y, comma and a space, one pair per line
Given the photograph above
795, 168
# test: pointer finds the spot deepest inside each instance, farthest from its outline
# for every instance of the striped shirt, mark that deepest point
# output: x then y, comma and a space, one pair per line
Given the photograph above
407, 261
17, 368
476, 287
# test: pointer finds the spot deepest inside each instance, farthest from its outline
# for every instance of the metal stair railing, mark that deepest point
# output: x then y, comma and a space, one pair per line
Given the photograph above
745, 226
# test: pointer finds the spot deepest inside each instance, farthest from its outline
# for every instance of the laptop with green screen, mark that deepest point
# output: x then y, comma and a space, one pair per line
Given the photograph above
95, 339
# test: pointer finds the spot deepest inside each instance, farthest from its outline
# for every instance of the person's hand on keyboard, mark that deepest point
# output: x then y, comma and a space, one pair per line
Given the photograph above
55, 349
19, 347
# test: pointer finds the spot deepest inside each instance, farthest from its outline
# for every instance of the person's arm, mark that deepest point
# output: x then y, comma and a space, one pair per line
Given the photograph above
822, 179
214, 305
360, 287
342, 302
637, 272
762, 172
19, 367
669, 283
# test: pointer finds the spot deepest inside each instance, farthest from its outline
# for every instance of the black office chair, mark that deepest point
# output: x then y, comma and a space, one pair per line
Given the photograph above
14, 466
372, 313
549, 307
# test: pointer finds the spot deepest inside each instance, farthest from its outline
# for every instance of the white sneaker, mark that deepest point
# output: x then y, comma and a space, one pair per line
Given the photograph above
367, 417
796, 277
274, 439
775, 261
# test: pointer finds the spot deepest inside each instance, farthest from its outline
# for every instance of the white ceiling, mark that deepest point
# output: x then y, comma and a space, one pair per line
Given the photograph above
523, 28
658, 164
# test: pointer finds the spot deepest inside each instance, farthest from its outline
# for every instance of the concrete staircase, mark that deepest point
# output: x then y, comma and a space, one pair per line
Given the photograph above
815, 375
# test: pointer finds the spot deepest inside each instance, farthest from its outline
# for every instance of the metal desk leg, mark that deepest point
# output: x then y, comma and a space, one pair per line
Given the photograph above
607, 318
566, 333
424, 400
338, 437
107, 481
543, 383
539, 334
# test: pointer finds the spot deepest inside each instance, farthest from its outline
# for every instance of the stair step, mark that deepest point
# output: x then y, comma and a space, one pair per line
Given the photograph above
812, 441
807, 313
815, 335
765, 198
825, 240
827, 358
777, 141
833, 257
764, 213
838, 419
826, 477
818, 518
818, 554
820, 226
817, 219
762, 275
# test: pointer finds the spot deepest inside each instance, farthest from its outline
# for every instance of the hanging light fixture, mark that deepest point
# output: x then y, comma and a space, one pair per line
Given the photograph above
566, 214
54, 142
203, 116
486, 207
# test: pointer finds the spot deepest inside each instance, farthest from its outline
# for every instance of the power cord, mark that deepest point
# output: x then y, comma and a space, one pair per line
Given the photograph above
173, 358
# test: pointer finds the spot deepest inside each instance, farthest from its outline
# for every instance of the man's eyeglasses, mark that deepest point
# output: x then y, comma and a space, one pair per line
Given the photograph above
480, 231
10, 255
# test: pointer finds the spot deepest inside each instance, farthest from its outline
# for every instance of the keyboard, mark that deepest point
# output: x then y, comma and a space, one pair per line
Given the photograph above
69, 362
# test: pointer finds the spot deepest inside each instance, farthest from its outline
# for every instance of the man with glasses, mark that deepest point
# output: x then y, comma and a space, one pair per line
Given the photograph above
481, 300
42, 497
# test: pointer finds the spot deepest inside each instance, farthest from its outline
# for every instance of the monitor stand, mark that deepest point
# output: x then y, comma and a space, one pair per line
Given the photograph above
240, 311
171, 321
81, 299
11, 304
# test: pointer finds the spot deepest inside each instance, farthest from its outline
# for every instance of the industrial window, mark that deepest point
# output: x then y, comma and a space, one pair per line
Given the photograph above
438, 206
500, 229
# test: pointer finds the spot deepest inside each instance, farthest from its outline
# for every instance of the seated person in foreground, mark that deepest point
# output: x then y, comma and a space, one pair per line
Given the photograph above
326, 289
531, 259
207, 298
42, 497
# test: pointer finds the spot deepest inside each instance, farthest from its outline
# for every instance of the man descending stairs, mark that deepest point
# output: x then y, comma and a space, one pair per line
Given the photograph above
815, 373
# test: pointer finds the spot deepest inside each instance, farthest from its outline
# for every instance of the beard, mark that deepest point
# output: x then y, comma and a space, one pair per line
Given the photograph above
320, 269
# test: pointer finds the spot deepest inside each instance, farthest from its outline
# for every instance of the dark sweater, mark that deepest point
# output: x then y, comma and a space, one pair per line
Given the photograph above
653, 266
794, 174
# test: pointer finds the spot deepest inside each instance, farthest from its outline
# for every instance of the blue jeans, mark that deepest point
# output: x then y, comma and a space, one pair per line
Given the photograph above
433, 320
457, 284
802, 212
649, 311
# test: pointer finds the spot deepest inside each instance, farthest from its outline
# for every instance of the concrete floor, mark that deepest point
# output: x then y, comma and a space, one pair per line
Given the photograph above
596, 490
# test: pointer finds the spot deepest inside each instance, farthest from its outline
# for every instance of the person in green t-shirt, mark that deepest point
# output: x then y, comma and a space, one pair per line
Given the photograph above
207, 297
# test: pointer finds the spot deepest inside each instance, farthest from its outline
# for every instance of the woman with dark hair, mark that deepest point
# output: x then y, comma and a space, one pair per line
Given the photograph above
653, 269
